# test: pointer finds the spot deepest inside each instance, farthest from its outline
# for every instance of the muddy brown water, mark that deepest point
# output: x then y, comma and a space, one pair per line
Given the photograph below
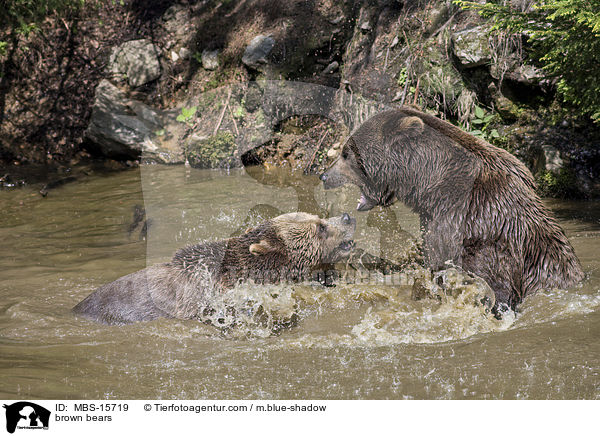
352, 341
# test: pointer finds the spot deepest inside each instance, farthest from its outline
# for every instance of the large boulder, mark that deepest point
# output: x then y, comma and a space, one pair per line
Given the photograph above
121, 128
471, 47
137, 61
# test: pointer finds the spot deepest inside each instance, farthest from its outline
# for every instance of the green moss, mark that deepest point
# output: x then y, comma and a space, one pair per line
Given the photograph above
219, 78
217, 151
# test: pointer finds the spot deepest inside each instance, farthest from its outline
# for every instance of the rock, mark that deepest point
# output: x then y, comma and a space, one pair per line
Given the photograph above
331, 67
184, 53
217, 151
553, 161
527, 74
137, 61
254, 98
545, 158
210, 59
471, 47
365, 15
371, 60
437, 17
332, 153
121, 128
257, 51
506, 108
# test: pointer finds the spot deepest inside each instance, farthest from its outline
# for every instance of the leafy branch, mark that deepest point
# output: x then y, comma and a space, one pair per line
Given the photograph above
565, 40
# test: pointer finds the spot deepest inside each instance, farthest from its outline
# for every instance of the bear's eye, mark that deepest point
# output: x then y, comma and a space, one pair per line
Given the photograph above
322, 229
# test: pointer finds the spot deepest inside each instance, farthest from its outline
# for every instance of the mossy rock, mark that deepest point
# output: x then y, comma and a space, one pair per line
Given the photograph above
217, 151
471, 46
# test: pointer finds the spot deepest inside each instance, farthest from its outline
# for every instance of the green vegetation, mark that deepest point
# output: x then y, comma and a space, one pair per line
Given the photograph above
482, 123
24, 16
239, 112
214, 152
402, 77
219, 78
187, 114
565, 40
561, 184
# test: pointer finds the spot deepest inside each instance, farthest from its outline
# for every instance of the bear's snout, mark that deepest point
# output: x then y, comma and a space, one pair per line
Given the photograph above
333, 177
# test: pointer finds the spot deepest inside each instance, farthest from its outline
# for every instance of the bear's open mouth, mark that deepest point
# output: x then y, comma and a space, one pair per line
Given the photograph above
365, 204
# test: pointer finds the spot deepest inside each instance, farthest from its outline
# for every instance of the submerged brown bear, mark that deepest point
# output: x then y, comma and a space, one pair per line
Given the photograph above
477, 203
288, 247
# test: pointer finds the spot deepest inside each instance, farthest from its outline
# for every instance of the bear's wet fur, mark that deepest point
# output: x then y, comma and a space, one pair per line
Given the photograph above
477, 203
286, 248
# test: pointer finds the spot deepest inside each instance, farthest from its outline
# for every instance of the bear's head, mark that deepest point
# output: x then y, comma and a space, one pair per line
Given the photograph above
304, 240
372, 158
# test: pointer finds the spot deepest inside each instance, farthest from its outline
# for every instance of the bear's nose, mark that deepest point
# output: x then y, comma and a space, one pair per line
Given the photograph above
346, 218
323, 177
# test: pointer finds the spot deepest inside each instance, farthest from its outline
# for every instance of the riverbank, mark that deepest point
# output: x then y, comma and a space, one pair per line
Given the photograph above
188, 81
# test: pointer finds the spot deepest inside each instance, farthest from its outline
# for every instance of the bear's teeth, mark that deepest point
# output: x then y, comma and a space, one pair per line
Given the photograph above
362, 203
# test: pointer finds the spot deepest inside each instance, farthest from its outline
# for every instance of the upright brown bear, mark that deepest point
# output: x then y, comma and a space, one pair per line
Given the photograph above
477, 202
288, 247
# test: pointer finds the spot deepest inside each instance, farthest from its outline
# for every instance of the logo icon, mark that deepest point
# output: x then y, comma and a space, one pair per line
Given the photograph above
26, 415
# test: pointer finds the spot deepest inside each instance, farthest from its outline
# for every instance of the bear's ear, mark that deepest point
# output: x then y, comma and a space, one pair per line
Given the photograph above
262, 247
402, 127
412, 125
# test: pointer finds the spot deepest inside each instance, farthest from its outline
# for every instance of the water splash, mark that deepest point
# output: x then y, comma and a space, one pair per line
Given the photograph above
386, 314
